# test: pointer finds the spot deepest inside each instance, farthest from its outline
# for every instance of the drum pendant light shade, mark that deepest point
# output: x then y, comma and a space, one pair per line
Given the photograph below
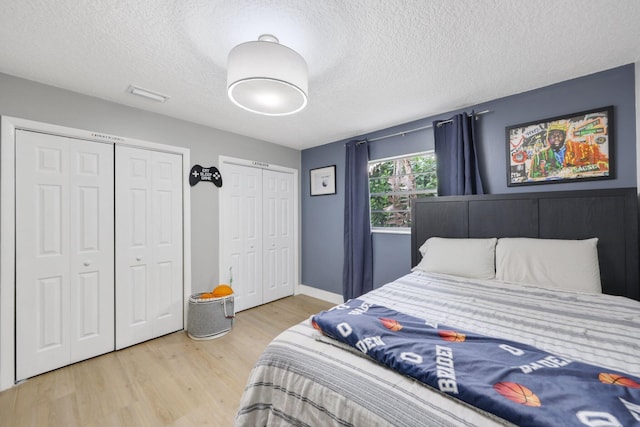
266, 77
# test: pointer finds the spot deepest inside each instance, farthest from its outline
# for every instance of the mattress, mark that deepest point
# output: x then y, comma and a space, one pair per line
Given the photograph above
305, 379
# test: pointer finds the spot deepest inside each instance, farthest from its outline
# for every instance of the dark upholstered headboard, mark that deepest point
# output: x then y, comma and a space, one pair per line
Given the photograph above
610, 215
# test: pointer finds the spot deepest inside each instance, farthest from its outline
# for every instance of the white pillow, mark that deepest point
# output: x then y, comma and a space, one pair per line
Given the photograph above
459, 257
552, 263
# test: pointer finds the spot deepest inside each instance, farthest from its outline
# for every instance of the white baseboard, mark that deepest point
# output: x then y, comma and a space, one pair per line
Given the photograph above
319, 293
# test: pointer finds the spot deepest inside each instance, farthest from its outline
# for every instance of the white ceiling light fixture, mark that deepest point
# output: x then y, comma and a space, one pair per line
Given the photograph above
267, 78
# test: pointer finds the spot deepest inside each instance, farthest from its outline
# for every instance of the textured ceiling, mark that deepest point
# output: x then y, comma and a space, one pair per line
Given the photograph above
372, 63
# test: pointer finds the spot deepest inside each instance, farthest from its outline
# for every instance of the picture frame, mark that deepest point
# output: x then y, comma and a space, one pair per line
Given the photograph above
569, 148
323, 180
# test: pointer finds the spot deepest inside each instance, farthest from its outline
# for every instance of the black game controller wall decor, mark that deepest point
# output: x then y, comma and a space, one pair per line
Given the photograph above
211, 174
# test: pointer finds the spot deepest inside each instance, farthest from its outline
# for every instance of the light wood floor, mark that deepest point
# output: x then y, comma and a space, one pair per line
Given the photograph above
172, 380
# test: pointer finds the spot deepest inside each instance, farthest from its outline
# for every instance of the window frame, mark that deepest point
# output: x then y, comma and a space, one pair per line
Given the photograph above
397, 230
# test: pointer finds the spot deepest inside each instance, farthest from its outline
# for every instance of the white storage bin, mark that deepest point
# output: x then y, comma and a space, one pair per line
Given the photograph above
209, 318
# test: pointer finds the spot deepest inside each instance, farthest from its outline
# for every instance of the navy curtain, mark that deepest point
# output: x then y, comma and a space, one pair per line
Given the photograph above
457, 162
357, 273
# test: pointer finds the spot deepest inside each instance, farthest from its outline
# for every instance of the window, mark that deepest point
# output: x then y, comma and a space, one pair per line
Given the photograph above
394, 182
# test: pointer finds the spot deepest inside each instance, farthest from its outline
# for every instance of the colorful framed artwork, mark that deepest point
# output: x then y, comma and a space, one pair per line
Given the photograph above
323, 180
569, 148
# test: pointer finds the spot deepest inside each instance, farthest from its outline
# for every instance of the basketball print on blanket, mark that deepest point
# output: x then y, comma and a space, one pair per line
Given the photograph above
517, 382
517, 393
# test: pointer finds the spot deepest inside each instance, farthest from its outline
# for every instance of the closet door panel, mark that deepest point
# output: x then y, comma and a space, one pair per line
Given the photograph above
133, 249
149, 267
279, 241
42, 254
272, 267
64, 252
241, 197
251, 217
91, 249
166, 190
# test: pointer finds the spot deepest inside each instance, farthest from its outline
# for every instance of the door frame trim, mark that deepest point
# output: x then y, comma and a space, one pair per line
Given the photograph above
8, 127
226, 160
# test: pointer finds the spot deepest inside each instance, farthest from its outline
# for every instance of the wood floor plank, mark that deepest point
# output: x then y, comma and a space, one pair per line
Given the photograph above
171, 380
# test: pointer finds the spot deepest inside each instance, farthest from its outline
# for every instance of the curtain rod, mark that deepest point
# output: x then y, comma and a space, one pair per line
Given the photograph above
403, 133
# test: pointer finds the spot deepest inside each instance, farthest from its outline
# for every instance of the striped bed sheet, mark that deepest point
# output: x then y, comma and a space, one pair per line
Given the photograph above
303, 379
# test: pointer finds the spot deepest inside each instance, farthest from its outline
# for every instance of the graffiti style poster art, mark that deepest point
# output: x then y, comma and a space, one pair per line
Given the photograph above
561, 149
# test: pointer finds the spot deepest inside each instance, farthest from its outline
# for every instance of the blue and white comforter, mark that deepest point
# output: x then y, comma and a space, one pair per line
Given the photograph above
301, 380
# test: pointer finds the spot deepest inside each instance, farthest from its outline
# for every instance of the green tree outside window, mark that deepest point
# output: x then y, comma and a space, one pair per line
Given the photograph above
393, 183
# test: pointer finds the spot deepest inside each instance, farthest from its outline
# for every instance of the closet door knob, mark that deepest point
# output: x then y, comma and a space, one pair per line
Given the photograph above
138, 258
87, 263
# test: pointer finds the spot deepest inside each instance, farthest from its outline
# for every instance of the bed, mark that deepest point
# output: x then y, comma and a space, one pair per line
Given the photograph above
308, 378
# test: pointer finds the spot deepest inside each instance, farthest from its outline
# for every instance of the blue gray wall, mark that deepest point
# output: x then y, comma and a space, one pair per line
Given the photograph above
322, 216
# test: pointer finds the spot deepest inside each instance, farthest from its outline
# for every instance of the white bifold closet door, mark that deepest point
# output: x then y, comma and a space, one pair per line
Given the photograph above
242, 233
149, 267
278, 237
64, 251
257, 227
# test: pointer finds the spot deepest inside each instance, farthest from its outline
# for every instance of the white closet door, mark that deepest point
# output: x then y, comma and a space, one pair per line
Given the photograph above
64, 252
133, 249
92, 244
148, 245
166, 240
242, 233
279, 250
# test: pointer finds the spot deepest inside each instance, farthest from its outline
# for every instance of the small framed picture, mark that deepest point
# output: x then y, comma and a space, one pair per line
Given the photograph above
323, 180
569, 148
